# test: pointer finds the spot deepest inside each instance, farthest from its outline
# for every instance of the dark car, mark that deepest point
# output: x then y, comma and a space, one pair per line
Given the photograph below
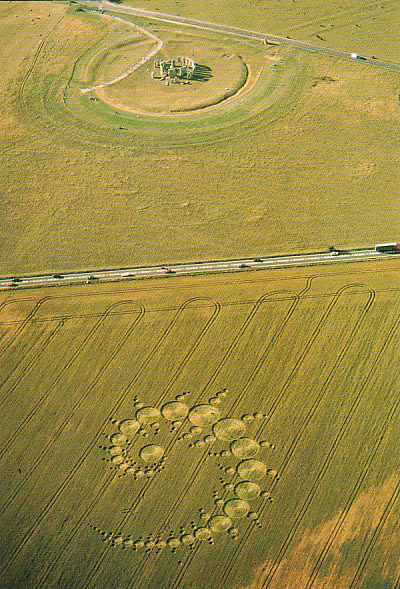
16, 279
58, 276
243, 266
257, 259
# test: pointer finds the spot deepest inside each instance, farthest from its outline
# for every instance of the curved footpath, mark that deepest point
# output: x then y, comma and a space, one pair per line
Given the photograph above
137, 65
237, 32
196, 268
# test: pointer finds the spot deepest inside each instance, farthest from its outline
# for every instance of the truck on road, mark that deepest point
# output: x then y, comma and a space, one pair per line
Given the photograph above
388, 248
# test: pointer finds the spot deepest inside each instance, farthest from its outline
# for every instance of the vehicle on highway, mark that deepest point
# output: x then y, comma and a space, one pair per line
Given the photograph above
16, 279
58, 276
257, 259
169, 271
93, 278
243, 266
388, 248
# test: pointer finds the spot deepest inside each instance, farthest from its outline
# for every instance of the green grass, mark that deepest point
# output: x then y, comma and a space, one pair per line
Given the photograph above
78, 360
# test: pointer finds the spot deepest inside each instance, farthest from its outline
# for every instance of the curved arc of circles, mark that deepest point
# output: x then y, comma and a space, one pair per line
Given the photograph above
148, 484
199, 465
30, 364
296, 299
306, 349
350, 501
50, 444
229, 351
121, 399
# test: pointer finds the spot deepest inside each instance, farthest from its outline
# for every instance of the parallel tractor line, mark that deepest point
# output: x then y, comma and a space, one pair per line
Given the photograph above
57, 434
119, 402
318, 329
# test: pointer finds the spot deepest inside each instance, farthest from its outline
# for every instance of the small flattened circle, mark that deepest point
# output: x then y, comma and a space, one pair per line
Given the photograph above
202, 534
247, 490
118, 439
252, 470
174, 411
151, 453
236, 508
118, 459
173, 542
114, 450
244, 448
229, 429
220, 523
148, 415
187, 539
203, 415
129, 427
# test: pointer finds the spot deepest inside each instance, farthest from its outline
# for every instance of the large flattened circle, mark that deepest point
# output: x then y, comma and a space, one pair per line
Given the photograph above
236, 508
148, 415
151, 453
252, 470
203, 415
244, 448
174, 411
228, 429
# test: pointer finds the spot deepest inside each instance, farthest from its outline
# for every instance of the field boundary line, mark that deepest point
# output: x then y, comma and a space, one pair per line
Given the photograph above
164, 336
49, 445
316, 332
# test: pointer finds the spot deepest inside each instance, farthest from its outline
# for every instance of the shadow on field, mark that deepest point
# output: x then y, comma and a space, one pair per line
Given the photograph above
202, 73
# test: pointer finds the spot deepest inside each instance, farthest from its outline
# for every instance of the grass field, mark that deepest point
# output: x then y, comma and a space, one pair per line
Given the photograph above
123, 405
369, 27
79, 192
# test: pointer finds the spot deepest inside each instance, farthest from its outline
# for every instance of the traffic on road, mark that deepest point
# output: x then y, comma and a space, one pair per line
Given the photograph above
257, 263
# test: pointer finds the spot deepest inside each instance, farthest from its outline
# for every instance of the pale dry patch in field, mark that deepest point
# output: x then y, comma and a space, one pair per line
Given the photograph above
362, 519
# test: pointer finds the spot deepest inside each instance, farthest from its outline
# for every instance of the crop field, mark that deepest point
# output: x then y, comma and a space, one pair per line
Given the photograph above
232, 431
109, 187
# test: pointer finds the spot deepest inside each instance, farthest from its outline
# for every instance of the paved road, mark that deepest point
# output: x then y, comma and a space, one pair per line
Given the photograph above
238, 32
194, 268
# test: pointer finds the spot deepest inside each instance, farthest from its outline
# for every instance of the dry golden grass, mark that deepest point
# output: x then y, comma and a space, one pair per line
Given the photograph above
306, 358
273, 174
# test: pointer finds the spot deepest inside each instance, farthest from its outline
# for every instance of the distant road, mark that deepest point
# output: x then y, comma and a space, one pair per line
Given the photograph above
238, 32
195, 268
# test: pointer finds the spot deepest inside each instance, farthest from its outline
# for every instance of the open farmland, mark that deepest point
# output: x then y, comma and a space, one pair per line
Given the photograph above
233, 431
86, 185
